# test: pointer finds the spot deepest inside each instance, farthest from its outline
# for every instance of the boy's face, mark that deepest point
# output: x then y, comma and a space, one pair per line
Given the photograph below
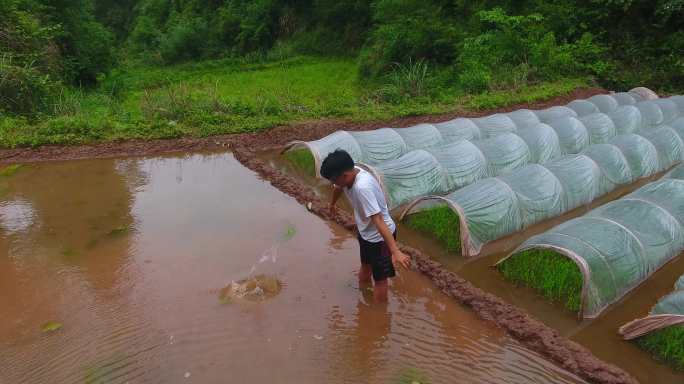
345, 179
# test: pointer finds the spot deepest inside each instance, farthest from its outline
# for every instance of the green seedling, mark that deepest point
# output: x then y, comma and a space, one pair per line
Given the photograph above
667, 345
440, 222
289, 233
553, 275
302, 160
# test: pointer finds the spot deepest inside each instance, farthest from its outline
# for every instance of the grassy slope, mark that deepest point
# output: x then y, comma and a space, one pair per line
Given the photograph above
667, 345
551, 274
229, 96
440, 222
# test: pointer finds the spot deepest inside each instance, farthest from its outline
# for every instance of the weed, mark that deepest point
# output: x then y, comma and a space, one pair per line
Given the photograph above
50, 326
301, 159
10, 170
553, 275
118, 231
441, 222
666, 345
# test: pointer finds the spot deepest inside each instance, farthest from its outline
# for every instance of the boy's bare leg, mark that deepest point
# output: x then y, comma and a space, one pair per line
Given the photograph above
365, 274
380, 291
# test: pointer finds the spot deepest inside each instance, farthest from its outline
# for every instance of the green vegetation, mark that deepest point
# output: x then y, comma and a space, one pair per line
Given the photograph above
440, 222
411, 376
553, 275
666, 344
75, 71
301, 159
50, 326
10, 170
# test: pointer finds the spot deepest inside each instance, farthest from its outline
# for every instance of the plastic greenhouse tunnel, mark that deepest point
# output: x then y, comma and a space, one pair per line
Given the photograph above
376, 146
494, 207
662, 331
590, 262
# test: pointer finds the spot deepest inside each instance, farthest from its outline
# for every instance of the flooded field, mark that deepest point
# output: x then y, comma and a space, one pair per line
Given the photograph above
191, 269
599, 335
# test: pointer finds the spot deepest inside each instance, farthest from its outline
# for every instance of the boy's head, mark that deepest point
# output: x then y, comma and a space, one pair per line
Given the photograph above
338, 167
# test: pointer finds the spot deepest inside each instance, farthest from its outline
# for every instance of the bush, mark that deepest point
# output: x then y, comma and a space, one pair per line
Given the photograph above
513, 50
407, 29
23, 89
187, 39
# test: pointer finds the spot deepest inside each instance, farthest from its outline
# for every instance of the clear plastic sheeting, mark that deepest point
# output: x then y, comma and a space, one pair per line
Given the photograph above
549, 114
628, 156
574, 180
583, 107
605, 103
668, 312
619, 245
627, 119
626, 98
600, 127
573, 136
374, 147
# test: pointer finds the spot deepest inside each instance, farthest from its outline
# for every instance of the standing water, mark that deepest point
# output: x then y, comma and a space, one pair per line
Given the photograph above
191, 269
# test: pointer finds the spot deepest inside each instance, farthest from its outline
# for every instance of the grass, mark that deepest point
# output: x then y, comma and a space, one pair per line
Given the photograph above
440, 222
231, 96
553, 275
666, 345
302, 160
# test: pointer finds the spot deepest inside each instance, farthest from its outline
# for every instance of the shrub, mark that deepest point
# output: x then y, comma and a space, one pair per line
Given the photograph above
407, 29
553, 275
23, 89
514, 49
184, 40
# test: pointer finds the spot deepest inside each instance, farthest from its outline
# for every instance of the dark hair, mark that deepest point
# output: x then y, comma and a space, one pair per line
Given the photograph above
336, 163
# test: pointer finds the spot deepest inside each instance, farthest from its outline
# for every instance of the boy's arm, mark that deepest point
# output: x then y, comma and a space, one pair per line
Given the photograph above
398, 257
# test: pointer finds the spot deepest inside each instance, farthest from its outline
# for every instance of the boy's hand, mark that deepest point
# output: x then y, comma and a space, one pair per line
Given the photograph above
332, 208
399, 258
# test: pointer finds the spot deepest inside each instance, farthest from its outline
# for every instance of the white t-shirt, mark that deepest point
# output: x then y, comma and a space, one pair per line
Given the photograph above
367, 199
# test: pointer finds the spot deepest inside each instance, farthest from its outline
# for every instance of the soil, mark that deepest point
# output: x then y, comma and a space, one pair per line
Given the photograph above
529, 331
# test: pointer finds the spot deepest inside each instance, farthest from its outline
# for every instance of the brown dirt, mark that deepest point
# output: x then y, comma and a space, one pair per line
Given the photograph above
530, 332
262, 140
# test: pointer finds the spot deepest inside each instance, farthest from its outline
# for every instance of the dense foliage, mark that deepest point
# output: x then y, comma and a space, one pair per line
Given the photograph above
405, 49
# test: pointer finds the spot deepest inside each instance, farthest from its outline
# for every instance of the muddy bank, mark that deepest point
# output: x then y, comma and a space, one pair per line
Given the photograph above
529, 331
261, 140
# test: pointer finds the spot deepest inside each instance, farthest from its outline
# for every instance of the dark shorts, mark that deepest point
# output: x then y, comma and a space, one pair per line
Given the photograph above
378, 256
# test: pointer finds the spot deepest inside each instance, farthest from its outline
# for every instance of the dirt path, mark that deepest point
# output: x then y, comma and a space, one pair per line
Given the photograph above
528, 330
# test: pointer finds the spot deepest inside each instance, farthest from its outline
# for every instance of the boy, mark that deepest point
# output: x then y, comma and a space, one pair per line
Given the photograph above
376, 229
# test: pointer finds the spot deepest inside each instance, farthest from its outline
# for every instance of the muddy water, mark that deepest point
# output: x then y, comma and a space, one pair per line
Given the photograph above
133, 258
599, 335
